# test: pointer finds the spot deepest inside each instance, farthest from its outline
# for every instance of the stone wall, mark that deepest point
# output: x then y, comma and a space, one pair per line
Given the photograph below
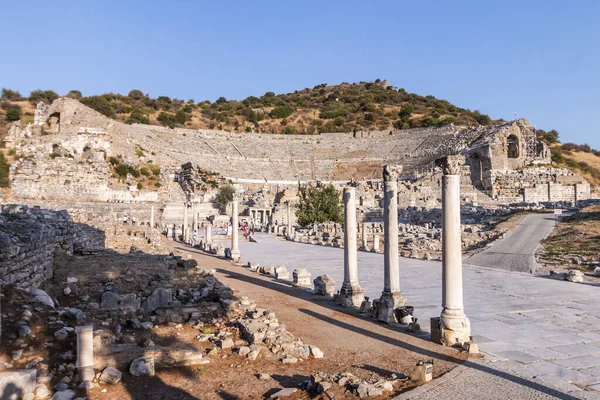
30, 238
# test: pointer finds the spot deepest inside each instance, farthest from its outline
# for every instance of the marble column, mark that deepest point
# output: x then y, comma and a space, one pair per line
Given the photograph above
375, 248
390, 297
364, 236
289, 220
152, 217
208, 233
455, 328
85, 352
235, 250
194, 218
184, 228
351, 294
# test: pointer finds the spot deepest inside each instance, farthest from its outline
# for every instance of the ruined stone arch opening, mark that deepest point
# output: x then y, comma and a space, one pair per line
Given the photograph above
52, 123
513, 148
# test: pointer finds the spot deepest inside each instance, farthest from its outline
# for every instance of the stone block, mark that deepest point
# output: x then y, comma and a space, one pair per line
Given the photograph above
159, 298
301, 278
436, 332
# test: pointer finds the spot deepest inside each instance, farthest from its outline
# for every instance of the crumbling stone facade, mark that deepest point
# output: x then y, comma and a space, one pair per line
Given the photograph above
30, 239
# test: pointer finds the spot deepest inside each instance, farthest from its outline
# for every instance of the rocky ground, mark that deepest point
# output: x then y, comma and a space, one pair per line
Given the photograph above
574, 244
173, 327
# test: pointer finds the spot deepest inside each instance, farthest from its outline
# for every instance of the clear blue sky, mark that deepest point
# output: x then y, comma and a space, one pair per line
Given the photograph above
539, 58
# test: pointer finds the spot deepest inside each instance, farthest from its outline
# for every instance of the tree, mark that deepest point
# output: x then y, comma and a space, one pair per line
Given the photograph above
406, 111
136, 94
74, 94
224, 197
12, 95
13, 114
47, 96
282, 111
319, 204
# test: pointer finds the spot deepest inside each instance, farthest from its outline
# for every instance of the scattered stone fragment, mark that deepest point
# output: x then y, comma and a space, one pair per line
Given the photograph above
283, 393
143, 366
110, 375
324, 285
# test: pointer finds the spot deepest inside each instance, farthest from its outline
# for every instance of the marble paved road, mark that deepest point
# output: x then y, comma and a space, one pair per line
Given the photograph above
544, 330
516, 251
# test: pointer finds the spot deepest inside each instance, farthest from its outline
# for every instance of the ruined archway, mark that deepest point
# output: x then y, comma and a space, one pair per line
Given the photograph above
52, 124
513, 148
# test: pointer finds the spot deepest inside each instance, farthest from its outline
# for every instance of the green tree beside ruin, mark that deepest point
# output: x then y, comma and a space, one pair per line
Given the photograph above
224, 196
319, 204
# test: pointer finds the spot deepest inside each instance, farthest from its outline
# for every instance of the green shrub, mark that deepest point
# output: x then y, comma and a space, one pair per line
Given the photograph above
224, 197
4, 169
144, 171
137, 117
167, 119
282, 111
136, 94
140, 186
334, 109
13, 114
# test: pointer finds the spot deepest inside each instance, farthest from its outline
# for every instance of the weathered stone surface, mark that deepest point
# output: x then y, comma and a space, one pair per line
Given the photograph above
142, 367
302, 278
64, 395
13, 383
324, 285
159, 298
286, 392
110, 375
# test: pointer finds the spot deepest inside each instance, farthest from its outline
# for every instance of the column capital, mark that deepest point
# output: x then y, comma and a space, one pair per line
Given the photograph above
391, 172
451, 165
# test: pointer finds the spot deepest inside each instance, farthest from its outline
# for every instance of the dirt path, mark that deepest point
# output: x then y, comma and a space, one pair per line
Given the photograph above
350, 343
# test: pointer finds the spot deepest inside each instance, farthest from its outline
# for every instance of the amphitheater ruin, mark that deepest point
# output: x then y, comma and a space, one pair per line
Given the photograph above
101, 246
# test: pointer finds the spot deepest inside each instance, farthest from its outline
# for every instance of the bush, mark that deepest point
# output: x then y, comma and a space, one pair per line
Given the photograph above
140, 186
74, 94
167, 119
318, 205
181, 117
406, 111
482, 119
47, 96
13, 114
100, 104
137, 117
12, 95
334, 109
4, 168
282, 111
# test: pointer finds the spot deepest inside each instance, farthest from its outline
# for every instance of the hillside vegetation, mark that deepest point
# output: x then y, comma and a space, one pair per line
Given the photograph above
324, 108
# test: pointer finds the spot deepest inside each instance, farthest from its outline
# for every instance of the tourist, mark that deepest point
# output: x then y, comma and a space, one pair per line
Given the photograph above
194, 238
125, 219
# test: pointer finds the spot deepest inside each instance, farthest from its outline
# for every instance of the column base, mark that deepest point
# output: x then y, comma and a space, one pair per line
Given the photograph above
235, 255
455, 328
351, 295
384, 307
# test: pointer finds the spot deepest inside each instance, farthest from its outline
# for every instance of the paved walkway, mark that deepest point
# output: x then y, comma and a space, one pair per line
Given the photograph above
516, 251
544, 330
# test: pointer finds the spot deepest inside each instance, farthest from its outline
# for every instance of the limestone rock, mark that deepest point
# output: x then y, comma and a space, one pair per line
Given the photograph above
286, 392
316, 352
575, 276
159, 298
13, 383
143, 366
64, 395
324, 285
110, 375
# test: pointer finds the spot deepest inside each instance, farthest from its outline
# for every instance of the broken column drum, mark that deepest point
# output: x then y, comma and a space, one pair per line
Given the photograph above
85, 352
455, 328
208, 233
390, 297
235, 250
351, 294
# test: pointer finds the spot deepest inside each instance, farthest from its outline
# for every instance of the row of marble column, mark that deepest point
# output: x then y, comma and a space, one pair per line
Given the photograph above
454, 326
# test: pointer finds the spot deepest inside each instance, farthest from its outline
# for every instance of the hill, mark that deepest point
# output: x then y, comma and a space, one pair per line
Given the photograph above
324, 108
